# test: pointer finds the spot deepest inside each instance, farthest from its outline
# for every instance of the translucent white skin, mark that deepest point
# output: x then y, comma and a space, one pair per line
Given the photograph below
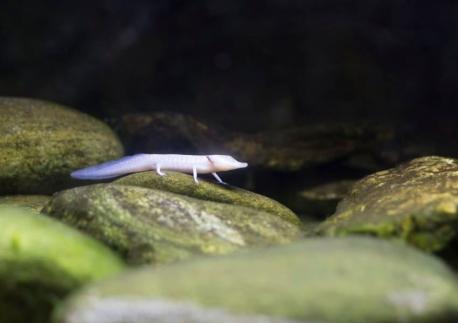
195, 164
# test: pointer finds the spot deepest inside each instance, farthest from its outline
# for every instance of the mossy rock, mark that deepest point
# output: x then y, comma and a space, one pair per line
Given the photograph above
42, 142
35, 202
327, 280
151, 226
416, 201
320, 201
184, 184
41, 261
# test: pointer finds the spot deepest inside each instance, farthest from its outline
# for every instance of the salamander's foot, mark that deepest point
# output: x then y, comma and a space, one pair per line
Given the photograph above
158, 170
219, 179
194, 174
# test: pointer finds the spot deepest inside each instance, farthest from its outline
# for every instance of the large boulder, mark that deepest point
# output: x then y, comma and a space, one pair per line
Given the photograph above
41, 261
416, 201
42, 142
184, 184
152, 226
326, 280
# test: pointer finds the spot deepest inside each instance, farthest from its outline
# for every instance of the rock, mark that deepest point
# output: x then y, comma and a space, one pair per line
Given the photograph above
416, 201
151, 226
321, 201
284, 150
42, 142
35, 202
42, 260
184, 184
338, 280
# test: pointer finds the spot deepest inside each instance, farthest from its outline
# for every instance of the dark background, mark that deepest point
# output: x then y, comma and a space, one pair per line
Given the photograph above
249, 65
384, 71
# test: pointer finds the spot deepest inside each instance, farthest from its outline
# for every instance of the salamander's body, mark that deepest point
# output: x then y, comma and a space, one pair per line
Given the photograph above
195, 164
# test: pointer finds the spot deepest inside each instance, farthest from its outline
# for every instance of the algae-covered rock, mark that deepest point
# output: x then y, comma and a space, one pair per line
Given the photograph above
416, 201
35, 202
321, 200
42, 142
42, 260
327, 280
151, 226
184, 184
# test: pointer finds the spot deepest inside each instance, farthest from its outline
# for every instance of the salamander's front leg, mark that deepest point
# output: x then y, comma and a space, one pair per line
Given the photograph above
158, 170
194, 174
218, 178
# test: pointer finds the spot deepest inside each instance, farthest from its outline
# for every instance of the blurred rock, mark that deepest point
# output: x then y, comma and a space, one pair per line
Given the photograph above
284, 150
346, 280
41, 261
321, 201
35, 202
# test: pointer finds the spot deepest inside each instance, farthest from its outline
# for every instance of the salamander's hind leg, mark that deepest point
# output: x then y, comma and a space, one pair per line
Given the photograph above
218, 178
158, 170
194, 174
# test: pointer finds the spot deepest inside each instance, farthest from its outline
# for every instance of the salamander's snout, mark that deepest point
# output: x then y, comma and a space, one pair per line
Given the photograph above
225, 162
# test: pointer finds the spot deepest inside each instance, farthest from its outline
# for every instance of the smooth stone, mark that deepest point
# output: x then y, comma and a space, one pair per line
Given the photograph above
151, 226
41, 261
326, 280
35, 202
320, 201
416, 201
184, 184
42, 142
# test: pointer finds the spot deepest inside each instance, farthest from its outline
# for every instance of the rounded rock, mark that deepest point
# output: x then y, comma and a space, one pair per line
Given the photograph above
42, 142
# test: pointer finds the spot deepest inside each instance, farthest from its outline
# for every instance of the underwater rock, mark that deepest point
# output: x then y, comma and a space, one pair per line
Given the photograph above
321, 201
416, 201
42, 260
151, 226
184, 184
35, 202
284, 150
338, 280
42, 142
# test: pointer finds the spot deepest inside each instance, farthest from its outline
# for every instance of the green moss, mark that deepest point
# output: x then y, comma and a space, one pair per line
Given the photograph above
151, 226
184, 184
416, 202
345, 280
42, 142
35, 202
42, 260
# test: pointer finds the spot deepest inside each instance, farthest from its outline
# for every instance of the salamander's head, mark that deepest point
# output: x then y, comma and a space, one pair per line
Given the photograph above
225, 162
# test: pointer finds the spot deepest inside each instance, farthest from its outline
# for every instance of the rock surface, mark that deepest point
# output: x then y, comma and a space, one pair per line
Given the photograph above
151, 226
42, 260
42, 142
416, 201
326, 280
321, 201
35, 202
184, 184
288, 150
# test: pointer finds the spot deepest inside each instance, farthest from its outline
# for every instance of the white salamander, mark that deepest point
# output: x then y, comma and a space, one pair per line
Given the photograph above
195, 164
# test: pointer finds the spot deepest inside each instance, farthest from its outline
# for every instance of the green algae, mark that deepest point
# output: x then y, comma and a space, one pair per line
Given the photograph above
184, 184
416, 202
35, 202
41, 261
42, 142
335, 280
151, 226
